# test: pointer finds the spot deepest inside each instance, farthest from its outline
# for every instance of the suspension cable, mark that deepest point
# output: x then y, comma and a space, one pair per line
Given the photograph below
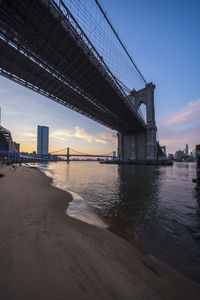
116, 34
90, 154
59, 150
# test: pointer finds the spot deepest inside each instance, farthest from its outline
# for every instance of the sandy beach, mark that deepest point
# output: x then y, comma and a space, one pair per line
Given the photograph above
45, 254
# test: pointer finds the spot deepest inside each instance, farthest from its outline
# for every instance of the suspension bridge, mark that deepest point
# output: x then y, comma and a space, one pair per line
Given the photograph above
74, 153
70, 52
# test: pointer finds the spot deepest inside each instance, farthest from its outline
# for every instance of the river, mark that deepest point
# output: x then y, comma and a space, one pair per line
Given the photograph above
155, 207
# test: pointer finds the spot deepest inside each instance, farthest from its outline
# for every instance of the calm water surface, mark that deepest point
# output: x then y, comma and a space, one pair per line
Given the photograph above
157, 207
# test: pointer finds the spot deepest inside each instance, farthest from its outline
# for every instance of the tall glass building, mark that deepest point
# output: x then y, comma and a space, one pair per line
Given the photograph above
186, 150
42, 140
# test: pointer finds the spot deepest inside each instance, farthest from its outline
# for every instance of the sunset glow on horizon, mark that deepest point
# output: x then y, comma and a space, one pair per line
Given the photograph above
167, 53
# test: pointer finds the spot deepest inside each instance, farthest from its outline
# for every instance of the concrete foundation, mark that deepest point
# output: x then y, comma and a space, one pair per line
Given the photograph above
140, 145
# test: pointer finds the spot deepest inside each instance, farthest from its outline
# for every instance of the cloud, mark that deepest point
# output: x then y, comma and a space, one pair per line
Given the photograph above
190, 113
60, 134
181, 128
177, 140
28, 136
101, 141
78, 133
108, 136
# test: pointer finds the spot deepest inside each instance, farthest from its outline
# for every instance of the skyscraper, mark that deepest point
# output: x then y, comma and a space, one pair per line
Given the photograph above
42, 140
186, 149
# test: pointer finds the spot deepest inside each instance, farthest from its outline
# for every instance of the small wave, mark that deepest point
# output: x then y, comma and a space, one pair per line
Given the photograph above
78, 207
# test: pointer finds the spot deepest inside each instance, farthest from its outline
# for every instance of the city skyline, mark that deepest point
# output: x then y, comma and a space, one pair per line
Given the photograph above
166, 54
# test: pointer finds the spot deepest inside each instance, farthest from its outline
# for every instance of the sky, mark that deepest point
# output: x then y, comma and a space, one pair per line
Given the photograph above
163, 37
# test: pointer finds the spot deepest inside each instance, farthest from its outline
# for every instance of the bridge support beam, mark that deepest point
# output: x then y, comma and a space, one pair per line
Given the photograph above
140, 145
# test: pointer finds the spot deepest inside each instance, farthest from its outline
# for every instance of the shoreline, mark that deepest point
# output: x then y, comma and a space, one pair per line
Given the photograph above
110, 227
73, 210
80, 209
45, 254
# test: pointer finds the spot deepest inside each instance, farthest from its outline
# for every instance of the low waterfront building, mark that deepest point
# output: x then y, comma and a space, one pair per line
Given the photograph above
179, 155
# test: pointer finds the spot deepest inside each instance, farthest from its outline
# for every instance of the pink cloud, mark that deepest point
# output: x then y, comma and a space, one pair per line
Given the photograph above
175, 139
188, 114
182, 128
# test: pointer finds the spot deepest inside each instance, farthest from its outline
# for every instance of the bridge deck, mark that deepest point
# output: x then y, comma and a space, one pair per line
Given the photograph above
40, 49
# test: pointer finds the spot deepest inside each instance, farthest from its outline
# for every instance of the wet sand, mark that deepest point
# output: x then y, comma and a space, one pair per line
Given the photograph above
45, 254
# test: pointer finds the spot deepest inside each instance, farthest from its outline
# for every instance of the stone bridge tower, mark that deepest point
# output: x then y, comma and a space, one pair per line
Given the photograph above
140, 145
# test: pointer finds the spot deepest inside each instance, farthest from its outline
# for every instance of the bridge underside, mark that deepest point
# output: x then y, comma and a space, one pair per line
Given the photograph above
40, 49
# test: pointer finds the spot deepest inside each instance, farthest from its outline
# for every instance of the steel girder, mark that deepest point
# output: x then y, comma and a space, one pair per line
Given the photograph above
40, 49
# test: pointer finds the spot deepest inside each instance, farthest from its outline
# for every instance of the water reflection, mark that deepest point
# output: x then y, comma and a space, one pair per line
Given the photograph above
155, 206
136, 198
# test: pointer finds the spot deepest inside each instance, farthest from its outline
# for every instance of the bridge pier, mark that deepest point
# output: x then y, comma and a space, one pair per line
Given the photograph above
139, 146
132, 146
68, 154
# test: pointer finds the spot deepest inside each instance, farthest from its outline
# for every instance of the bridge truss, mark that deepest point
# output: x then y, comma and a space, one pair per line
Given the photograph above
44, 48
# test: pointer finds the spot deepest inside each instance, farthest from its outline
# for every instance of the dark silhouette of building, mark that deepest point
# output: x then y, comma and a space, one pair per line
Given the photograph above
42, 140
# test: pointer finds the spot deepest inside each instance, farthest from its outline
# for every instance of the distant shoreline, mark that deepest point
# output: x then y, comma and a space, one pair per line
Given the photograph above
46, 254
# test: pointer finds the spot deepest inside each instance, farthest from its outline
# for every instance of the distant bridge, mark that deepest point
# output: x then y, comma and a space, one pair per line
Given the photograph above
75, 153
47, 48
